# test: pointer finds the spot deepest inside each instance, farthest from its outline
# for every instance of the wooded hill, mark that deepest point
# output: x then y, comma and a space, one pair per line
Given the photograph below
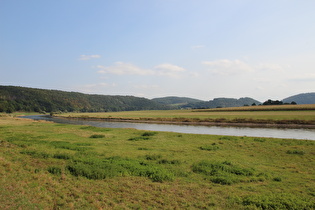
14, 98
303, 98
175, 101
186, 103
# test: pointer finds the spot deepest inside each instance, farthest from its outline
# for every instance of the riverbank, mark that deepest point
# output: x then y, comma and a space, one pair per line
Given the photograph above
270, 118
208, 122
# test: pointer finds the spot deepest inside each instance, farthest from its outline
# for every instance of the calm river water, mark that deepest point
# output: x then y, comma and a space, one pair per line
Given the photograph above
308, 134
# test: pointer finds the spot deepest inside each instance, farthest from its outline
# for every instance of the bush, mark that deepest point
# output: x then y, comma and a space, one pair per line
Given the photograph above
54, 170
139, 138
277, 179
295, 152
224, 173
97, 136
149, 133
209, 147
172, 162
63, 156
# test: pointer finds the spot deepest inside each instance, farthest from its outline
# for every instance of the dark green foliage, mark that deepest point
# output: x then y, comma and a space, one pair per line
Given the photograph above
95, 168
149, 133
172, 162
142, 148
271, 102
95, 136
224, 173
209, 147
144, 136
277, 179
295, 152
64, 156
54, 170
40, 100
139, 138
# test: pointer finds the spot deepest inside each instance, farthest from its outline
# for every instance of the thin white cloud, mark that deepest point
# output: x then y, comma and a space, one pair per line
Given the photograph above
121, 68
227, 67
88, 57
168, 70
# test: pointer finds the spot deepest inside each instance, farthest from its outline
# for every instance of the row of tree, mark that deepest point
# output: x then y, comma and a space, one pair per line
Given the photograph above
276, 102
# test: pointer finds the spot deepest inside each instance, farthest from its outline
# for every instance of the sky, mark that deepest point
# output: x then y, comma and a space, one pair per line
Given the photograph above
201, 49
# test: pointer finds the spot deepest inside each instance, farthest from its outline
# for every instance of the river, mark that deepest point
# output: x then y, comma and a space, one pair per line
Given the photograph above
288, 133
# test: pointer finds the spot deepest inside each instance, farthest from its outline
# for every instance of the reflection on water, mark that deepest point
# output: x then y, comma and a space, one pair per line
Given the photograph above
214, 130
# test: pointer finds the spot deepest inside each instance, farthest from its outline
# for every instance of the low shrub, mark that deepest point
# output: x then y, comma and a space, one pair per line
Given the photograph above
64, 156
54, 170
172, 162
277, 179
143, 148
224, 173
296, 152
139, 138
148, 133
209, 147
94, 136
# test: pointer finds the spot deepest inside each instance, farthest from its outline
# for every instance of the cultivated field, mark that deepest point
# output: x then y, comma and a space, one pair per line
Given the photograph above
54, 166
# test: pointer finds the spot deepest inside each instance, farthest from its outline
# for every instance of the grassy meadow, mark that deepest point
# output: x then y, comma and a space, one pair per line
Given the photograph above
55, 166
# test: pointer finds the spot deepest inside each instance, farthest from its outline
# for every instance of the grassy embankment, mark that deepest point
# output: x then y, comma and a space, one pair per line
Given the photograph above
50, 166
274, 115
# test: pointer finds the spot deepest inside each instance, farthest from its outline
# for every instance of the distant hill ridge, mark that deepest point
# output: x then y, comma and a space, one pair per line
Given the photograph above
303, 98
224, 102
183, 102
176, 101
14, 98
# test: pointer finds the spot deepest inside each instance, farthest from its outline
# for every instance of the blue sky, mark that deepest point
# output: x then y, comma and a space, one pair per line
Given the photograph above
154, 48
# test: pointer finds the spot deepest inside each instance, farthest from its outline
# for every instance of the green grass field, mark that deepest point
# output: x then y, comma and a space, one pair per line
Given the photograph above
54, 166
